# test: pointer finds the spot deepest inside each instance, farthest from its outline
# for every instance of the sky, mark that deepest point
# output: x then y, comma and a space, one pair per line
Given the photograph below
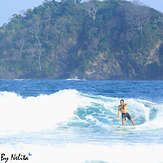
11, 7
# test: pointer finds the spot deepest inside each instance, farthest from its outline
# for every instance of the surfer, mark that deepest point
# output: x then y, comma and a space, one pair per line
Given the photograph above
123, 109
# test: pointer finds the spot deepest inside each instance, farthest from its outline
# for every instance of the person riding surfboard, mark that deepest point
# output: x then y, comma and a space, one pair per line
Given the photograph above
123, 109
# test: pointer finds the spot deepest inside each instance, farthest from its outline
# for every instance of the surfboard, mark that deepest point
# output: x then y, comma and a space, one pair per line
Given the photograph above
123, 127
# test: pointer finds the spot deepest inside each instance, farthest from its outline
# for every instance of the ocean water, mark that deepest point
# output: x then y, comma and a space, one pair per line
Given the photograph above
69, 121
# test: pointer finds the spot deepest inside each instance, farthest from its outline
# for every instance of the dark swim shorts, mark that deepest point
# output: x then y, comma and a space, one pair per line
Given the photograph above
124, 115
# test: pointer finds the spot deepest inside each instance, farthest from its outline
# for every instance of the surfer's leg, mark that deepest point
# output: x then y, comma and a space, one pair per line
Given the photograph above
123, 121
132, 122
129, 117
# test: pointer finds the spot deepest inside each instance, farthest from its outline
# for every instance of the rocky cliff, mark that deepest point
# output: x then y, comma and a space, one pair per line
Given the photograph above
112, 39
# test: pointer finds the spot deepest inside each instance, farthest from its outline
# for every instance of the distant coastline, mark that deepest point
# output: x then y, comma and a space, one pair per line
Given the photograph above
109, 40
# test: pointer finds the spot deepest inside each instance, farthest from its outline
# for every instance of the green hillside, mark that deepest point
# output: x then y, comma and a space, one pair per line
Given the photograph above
112, 39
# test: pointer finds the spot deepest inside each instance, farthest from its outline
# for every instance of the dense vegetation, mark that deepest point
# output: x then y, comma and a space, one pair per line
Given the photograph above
112, 39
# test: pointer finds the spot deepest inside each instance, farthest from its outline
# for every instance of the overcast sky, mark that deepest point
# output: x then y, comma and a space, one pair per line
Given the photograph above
10, 7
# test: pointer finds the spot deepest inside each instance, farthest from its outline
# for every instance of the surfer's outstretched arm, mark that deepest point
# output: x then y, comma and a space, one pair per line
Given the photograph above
119, 108
125, 103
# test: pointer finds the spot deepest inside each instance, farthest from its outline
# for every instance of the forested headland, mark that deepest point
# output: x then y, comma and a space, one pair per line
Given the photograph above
96, 40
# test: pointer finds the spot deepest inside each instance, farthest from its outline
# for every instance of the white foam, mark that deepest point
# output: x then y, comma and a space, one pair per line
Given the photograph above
36, 113
81, 153
156, 123
46, 111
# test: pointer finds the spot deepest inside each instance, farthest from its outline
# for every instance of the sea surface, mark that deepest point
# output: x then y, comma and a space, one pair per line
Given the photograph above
69, 121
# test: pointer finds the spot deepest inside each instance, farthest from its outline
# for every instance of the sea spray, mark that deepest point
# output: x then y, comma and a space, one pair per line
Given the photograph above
36, 113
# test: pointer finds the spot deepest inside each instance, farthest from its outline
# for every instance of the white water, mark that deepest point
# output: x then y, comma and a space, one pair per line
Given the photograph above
36, 115
87, 153
46, 111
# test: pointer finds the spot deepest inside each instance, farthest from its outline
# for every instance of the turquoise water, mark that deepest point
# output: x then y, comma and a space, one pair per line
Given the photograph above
70, 120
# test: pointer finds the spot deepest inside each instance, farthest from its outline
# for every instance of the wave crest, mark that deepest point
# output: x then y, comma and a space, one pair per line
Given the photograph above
71, 108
